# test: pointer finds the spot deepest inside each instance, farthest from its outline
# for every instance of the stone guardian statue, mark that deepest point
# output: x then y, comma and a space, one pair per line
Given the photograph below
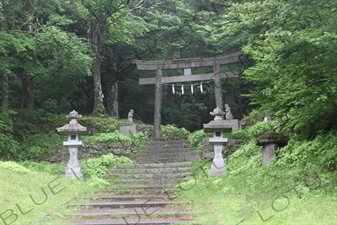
229, 115
130, 117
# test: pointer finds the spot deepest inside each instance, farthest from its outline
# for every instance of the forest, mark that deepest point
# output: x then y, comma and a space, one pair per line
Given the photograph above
60, 55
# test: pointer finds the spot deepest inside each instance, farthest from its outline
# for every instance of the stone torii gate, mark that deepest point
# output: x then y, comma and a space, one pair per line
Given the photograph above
187, 65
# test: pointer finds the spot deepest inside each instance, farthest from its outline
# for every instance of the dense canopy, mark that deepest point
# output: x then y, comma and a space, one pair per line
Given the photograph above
59, 55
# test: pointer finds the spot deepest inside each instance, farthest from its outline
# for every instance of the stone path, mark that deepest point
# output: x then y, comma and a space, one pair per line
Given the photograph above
145, 195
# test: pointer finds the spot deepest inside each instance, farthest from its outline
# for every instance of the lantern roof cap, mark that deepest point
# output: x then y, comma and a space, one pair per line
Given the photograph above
73, 126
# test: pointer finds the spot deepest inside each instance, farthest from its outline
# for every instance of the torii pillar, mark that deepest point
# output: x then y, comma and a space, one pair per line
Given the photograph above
186, 64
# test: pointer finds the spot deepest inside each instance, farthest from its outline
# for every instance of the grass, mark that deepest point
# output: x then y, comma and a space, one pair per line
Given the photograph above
29, 194
252, 197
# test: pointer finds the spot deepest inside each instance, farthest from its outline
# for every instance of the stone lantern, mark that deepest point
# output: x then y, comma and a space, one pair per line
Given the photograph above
270, 142
73, 129
218, 127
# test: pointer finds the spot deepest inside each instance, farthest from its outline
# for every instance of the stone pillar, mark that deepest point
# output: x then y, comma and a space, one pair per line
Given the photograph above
73, 168
157, 103
217, 86
218, 165
270, 142
268, 153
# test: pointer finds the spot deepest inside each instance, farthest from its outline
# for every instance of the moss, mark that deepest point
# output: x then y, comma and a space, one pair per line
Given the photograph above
272, 137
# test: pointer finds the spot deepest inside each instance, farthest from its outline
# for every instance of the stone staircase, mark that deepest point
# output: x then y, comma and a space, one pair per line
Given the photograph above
145, 194
166, 152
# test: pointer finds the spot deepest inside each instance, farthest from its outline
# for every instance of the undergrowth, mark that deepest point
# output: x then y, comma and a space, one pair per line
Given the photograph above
298, 187
94, 169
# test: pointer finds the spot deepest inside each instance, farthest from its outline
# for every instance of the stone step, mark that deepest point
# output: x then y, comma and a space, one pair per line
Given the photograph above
150, 175
166, 153
130, 197
150, 170
169, 142
151, 165
165, 148
125, 211
145, 192
168, 156
123, 204
139, 221
141, 190
157, 182
166, 160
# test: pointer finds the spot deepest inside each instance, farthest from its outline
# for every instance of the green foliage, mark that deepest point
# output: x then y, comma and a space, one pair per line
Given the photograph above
45, 167
176, 111
31, 122
66, 60
17, 48
238, 134
293, 47
99, 111
115, 136
95, 169
245, 158
8, 146
260, 127
102, 124
13, 166
38, 145
172, 130
36, 132
315, 155
196, 137
28, 184
303, 173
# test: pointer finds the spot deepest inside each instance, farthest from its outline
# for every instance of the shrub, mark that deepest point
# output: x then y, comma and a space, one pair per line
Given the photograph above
115, 136
99, 111
319, 154
51, 168
95, 169
260, 127
37, 145
13, 166
8, 146
196, 137
245, 158
171, 130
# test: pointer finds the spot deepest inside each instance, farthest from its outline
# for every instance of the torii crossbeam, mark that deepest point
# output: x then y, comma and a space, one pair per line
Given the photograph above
187, 65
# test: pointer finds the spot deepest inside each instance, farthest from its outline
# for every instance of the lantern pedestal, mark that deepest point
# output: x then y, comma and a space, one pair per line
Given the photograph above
218, 166
73, 167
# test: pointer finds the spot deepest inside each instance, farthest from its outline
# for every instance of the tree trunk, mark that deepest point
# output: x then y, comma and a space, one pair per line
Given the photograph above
27, 83
112, 104
96, 74
5, 81
5, 91
112, 73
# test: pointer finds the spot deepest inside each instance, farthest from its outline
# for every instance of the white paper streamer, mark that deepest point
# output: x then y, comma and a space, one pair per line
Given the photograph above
201, 90
192, 89
173, 89
182, 89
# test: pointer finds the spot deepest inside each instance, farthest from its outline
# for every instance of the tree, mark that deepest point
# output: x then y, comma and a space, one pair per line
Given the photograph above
35, 52
67, 62
293, 46
181, 29
106, 23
